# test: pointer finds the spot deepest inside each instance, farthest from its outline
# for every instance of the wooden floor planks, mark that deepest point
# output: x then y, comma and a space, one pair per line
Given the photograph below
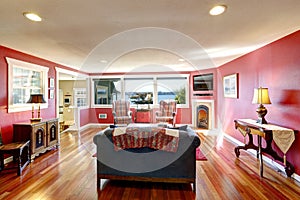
70, 173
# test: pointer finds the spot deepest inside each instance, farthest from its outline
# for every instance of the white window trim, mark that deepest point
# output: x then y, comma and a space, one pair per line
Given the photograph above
93, 105
30, 66
122, 77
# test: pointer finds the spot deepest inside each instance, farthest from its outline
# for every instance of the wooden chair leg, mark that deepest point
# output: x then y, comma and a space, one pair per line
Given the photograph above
1, 161
28, 154
24, 149
19, 172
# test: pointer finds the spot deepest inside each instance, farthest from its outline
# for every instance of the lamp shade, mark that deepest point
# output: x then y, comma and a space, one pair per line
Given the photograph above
36, 98
261, 96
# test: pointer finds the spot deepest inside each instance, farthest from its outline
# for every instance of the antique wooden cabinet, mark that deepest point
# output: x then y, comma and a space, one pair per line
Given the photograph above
43, 135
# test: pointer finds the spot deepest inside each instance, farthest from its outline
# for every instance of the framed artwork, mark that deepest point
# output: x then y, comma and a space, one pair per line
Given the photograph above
51, 82
230, 86
51, 94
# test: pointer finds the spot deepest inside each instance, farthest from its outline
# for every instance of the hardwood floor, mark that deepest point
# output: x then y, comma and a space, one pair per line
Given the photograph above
70, 173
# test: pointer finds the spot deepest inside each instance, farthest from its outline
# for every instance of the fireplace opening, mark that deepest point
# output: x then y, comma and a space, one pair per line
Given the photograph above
202, 116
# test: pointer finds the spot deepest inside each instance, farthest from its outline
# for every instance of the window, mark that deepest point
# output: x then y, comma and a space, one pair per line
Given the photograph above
172, 88
25, 79
106, 90
139, 90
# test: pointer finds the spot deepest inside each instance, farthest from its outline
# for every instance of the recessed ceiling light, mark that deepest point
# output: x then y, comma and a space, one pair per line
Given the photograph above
32, 16
217, 10
181, 59
103, 61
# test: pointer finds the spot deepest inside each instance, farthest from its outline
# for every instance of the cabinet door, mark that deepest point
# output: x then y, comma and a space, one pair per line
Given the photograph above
38, 137
52, 133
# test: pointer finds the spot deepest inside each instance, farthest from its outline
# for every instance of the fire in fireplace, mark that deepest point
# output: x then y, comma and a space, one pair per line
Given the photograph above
202, 116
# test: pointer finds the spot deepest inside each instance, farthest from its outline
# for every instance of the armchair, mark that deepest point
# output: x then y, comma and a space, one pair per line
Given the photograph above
121, 112
166, 112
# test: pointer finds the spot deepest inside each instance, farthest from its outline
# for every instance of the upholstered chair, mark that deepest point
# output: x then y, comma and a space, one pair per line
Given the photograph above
166, 112
121, 112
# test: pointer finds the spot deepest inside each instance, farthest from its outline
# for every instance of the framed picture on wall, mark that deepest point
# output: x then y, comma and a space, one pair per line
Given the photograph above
51, 83
230, 86
51, 94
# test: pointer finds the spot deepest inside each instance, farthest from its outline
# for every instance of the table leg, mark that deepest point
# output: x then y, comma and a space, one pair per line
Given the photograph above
19, 155
289, 168
23, 150
249, 145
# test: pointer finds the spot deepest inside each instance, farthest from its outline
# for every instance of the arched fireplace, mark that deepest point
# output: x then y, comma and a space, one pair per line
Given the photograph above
202, 116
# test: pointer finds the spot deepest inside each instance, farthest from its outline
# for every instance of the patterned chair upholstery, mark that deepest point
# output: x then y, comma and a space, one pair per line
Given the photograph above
167, 112
121, 112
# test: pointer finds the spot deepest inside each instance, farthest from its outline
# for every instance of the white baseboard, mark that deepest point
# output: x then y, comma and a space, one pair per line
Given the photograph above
265, 159
93, 125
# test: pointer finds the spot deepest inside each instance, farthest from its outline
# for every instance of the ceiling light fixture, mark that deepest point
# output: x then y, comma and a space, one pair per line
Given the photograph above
181, 60
217, 10
32, 16
103, 61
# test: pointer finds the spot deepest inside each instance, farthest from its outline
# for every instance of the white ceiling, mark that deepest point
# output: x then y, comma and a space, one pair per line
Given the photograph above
144, 35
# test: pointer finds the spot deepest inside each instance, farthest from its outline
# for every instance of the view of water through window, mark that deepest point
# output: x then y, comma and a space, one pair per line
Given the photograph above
141, 90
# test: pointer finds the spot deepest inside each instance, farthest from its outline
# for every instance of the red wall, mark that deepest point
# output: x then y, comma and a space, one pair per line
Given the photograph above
92, 116
7, 119
277, 67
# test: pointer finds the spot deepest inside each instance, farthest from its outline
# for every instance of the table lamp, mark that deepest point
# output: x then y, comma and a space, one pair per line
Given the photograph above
261, 96
36, 98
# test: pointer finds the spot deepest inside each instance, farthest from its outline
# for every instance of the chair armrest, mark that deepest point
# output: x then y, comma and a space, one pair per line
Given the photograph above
114, 114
